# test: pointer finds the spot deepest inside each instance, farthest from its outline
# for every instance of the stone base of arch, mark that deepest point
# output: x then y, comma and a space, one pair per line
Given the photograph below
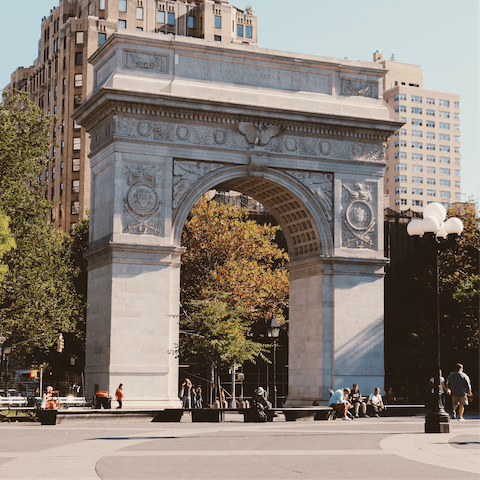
336, 332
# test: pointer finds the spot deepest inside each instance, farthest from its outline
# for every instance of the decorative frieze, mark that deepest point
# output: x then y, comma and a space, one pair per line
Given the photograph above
359, 222
141, 204
242, 136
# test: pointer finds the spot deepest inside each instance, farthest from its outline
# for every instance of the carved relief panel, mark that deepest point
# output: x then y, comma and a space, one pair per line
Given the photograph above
359, 223
142, 205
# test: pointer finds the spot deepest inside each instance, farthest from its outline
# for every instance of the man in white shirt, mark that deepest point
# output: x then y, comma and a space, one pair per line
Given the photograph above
339, 400
375, 399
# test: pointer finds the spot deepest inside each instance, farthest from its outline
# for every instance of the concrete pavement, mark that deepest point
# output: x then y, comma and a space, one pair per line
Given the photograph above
365, 448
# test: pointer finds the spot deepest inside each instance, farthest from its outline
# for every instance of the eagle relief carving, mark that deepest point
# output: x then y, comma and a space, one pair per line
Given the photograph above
259, 135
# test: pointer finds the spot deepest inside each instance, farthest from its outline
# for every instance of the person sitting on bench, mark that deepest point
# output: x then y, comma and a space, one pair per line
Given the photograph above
339, 401
375, 399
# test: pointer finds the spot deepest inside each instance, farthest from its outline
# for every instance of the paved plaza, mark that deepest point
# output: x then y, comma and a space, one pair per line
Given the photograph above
365, 448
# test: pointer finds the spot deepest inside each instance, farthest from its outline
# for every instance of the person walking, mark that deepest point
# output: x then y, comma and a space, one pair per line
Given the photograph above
459, 386
119, 395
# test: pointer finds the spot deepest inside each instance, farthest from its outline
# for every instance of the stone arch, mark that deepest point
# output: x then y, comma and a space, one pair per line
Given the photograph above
303, 222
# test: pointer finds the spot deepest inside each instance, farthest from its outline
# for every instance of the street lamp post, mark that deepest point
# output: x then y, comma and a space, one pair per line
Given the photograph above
273, 331
436, 234
6, 348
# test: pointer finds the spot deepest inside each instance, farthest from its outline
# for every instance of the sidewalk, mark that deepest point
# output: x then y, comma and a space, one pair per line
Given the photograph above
365, 448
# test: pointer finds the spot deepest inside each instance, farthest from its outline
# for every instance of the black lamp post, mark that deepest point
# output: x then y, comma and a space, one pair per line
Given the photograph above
273, 332
6, 346
437, 235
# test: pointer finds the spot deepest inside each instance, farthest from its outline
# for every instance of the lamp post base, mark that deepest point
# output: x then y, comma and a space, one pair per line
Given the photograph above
437, 423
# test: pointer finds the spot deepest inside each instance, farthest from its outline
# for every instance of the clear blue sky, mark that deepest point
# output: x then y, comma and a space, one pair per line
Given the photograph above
439, 35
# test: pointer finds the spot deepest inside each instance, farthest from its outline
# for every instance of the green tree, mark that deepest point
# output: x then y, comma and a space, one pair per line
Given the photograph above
6, 242
37, 296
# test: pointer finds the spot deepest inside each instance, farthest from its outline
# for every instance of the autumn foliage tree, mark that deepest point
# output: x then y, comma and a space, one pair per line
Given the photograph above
233, 282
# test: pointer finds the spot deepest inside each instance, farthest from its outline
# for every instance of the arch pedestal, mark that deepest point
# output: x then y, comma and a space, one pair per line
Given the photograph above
171, 119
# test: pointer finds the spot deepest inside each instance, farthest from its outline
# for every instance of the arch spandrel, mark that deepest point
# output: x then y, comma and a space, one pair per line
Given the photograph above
306, 223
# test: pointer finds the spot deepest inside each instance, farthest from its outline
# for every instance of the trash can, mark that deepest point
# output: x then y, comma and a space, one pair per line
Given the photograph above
102, 400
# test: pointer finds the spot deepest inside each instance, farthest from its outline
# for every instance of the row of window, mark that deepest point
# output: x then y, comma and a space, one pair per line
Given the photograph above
430, 158
429, 180
430, 135
418, 203
429, 146
429, 123
429, 100
430, 193
429, 112
419, 169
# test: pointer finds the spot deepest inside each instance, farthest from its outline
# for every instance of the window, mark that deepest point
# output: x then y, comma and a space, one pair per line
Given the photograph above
139, 13
55, 91
400, 108
171, 18
444, 103
191, 22
417, 203
430, 123
217, 38
444, 171
430, 193
400, 96
78, 38
444, 182
122, 5
417, 168
444, 136
456, 104
76, 143
75, 208
160, 17
417, 180
122, 24
444, 194
417, 156
61, 168
430, 158
218, 21
417, 110
431, 113
400, 166
417, 122
75, 186
430, 101
75, 164
401, 143
456, 149
430, 146
401, 178
417, 133
102, 38
401, 155
430, 181
416, 99
430, 169
456, 116
78, 58
457, 173
53, 173
444, 114
456, 128
89, 8
139, 29
444, 148
62, 147
101, 5
78, 82
400, 190
456, 138
401, 119
239, 30
457, 161
400, 201
458, 196
249, 31
431, 135
444, 159
457, 183
417, 145
402, 131
417, 191
445, 126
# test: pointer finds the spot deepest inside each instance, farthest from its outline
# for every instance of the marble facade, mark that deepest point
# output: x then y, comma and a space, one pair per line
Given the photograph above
171, 118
